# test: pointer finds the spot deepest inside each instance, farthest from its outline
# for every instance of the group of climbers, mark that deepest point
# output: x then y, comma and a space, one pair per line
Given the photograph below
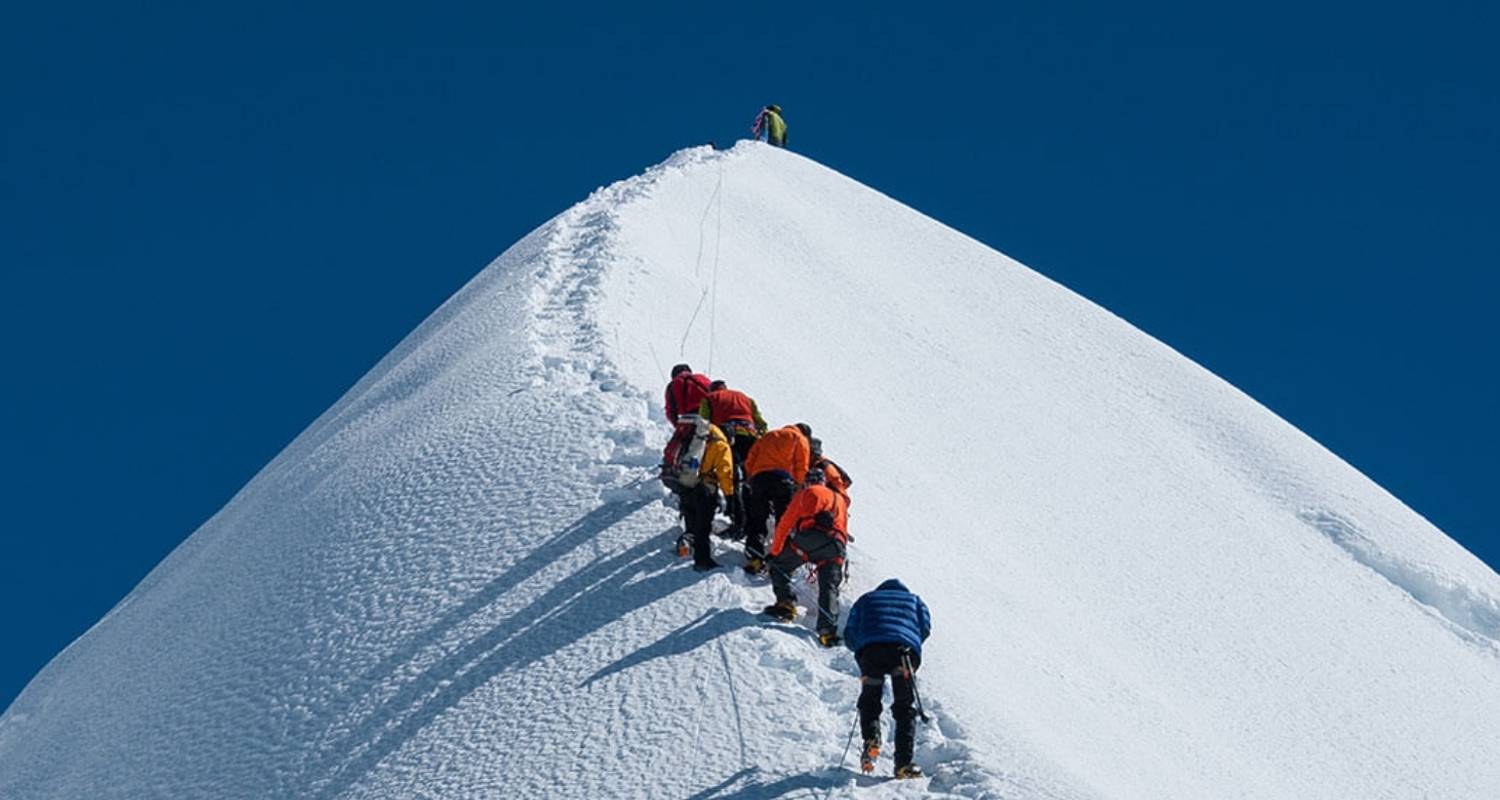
724, 454
775, 482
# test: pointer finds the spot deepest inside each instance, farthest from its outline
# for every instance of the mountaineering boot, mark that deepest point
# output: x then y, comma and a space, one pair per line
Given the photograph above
705, 566
683, 547
755, 566
829, 638
868, 755
784, 610
908, 771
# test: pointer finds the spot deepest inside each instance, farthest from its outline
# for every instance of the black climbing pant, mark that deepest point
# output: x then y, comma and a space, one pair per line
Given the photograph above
827, 552
740, 447
698, 505
875, 662
770, 493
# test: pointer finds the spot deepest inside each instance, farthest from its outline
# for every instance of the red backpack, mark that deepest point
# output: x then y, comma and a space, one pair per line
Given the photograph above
685, 393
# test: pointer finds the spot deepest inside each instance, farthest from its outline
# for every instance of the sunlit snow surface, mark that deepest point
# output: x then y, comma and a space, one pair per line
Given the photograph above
457, 582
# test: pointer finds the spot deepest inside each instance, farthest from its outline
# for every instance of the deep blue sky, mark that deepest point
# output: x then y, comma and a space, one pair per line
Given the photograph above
215, 221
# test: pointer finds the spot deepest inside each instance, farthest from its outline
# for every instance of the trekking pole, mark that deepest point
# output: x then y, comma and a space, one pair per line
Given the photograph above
850, 740
911, 675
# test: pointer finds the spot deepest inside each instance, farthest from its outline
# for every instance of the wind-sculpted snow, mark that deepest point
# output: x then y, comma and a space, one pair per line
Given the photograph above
458, 581
1473, 614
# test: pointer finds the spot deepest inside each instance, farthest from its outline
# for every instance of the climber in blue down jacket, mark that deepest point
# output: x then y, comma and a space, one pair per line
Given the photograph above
885, 629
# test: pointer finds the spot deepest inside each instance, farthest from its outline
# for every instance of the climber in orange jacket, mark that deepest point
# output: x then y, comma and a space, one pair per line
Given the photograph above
833, 475
785, 449
814, 529
775, 467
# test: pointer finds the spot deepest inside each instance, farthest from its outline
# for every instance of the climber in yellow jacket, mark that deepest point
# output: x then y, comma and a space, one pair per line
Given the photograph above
699, 486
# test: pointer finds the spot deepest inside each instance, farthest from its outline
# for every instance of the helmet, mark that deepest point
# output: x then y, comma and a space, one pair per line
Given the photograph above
774, 107
815, 446
680, 368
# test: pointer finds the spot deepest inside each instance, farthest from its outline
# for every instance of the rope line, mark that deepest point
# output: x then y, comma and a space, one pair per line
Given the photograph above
716, 197
713, 306
682, 349
703, 220
664, 377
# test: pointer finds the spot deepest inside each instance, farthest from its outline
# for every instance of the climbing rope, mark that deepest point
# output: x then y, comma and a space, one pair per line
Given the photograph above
703, 221
682, 348
715, 199
713, 306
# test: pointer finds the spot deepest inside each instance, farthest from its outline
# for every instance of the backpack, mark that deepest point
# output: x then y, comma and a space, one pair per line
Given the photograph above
685, 393
848, 481
684, 454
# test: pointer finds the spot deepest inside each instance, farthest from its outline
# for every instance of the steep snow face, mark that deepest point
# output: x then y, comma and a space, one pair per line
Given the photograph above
1140, 577
457, 582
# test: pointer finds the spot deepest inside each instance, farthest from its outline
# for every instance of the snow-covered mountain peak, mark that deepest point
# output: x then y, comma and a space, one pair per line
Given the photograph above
458, 581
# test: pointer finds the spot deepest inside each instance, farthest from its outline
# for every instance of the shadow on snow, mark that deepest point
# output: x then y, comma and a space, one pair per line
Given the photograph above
755, 790
575, 607
708, 626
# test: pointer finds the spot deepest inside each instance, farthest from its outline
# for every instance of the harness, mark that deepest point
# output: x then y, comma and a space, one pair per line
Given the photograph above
902, 669
744, 425
842, 537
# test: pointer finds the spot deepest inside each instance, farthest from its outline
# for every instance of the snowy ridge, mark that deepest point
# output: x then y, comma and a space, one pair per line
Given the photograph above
457, 582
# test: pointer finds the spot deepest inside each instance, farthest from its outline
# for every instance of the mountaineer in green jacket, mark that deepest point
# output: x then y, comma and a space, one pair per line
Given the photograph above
769, 119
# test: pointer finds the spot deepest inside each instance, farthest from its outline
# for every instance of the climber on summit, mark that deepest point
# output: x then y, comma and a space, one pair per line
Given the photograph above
814, 530
702, 470
739, 418
885, 629
770, 122
775, 466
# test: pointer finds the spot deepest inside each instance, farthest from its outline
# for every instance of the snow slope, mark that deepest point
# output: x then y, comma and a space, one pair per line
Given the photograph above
457, 582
